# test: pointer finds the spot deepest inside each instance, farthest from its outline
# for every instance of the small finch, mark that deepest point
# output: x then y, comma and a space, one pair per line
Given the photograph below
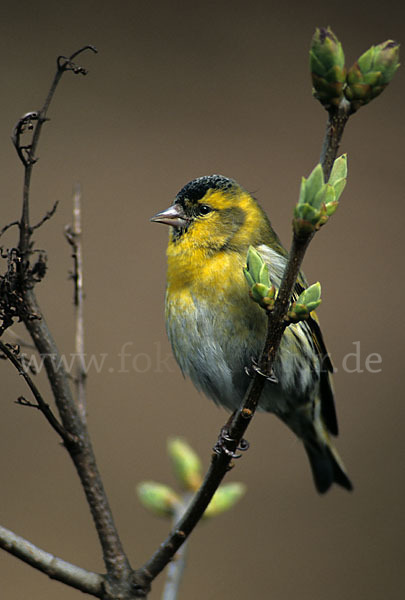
215, 328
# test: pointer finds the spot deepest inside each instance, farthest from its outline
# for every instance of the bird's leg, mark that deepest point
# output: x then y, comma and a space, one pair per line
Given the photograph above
256, 369
224, 437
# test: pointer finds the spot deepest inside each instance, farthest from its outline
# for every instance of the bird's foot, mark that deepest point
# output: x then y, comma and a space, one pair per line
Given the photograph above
221, 445
254, 368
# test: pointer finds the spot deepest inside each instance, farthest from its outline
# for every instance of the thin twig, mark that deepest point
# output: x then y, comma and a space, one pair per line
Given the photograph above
6, 227
73, 235
29, 158
48, 215
20, 341
176, 567
68, 439
337, 119
54, 567
175, 572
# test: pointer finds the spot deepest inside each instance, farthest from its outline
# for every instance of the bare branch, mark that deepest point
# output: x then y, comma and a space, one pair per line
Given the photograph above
67, 64
73, 235
4, 229
48, 215
41, 404
20, 341
176, 567
26, 123
27, 153
337, 120
54, 567
25, 304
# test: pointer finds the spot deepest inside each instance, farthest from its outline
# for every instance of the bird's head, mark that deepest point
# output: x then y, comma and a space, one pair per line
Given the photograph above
216, 214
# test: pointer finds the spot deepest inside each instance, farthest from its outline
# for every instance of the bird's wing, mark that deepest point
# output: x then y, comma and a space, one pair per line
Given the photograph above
328, 410
277, 262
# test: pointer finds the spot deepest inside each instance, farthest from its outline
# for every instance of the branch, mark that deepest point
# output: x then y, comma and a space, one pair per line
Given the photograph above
221, 459
54, 567
27, 153
6, 227
177, 565
48, 215
73, 235
41, 404
174, 575
82, 454
337, 120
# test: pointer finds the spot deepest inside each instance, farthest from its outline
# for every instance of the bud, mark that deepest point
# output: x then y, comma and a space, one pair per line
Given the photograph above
319, 200
311, 296
259, 291
327, 64
186, 464
225, 497
256, 268
371, 73
312, 188
338, 178
307, 301
257, 276
309, 208
158, 498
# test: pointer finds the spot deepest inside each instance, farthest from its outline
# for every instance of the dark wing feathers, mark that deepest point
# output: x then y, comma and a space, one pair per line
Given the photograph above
328, 410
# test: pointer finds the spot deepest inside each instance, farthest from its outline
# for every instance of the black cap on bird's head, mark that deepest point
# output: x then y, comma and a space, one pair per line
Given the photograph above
187, 206
197, 188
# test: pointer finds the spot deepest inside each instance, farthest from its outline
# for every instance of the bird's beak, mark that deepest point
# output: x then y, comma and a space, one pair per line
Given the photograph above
174, 216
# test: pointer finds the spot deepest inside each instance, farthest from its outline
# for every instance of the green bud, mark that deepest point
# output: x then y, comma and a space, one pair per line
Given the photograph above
259, 291
297, 312
339, 171
307, 301
254, 263
225, 497
310, 297
331, 208
263, 295
319, 200
313, 184
371, 73
158, 498
186, 464
311, 196
257, 276
327, 64
335, 186
310, 208
308, 213
383, 59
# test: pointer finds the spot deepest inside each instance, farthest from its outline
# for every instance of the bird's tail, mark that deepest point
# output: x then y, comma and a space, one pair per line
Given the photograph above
327, 466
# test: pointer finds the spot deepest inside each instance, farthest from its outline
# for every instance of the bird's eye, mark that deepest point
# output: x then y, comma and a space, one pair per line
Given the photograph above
204, 209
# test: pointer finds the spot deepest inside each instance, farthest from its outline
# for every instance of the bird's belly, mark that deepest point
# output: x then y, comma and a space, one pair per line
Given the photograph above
213, 347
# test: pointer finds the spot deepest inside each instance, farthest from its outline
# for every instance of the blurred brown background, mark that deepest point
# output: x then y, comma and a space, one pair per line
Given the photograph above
180, 90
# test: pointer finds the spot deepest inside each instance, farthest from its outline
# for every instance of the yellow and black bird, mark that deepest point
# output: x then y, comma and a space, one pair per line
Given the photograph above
215, 328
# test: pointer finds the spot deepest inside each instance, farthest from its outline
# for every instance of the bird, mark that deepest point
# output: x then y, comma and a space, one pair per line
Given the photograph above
215, 328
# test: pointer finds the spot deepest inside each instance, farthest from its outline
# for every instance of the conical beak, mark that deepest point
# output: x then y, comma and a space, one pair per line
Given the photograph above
174, 216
